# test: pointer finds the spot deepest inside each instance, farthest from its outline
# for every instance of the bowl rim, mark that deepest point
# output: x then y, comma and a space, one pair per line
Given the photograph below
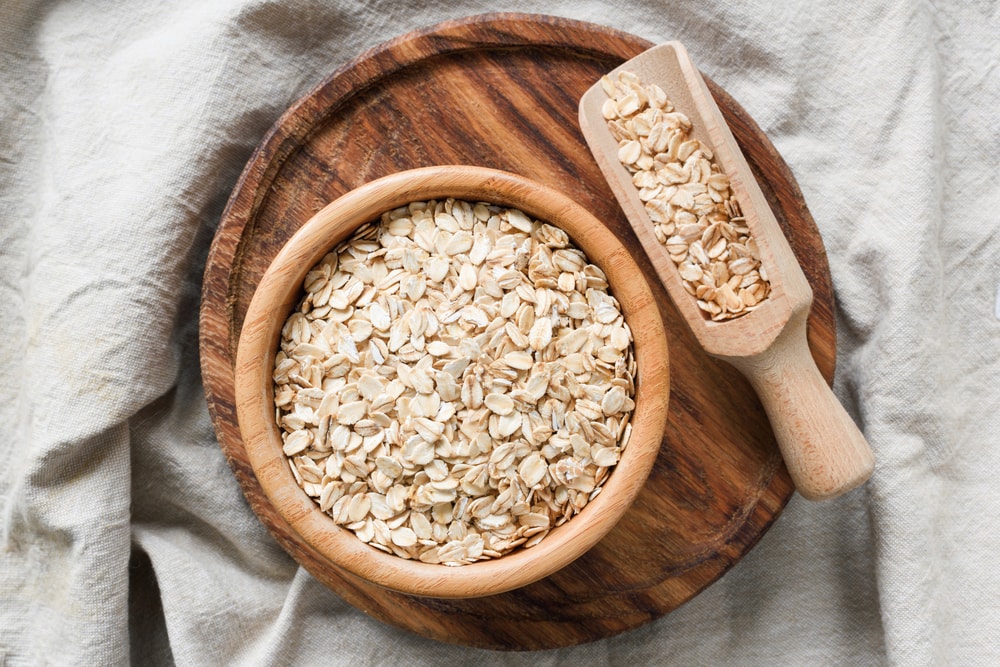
280, 289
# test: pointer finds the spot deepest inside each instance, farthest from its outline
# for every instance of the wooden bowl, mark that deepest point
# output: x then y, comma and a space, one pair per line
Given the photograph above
279, 291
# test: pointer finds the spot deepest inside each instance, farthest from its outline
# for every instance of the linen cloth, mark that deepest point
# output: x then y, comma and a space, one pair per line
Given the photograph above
124, 537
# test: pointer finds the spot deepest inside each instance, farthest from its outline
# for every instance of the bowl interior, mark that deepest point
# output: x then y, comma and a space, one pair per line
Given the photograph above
280, 289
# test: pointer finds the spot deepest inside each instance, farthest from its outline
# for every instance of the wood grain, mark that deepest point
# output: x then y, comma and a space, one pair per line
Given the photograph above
501, 91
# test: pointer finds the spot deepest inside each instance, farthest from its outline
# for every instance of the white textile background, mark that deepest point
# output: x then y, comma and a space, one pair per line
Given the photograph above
124, 537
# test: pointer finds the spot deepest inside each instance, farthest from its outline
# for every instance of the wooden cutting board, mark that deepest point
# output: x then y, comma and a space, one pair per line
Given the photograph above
501, 91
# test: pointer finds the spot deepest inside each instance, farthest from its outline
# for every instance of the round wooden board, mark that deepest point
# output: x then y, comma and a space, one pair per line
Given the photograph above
501, 91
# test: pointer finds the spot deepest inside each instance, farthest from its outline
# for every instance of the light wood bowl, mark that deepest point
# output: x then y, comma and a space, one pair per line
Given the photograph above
279, 291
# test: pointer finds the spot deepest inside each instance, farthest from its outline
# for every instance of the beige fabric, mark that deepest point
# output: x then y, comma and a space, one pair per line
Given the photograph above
123, 535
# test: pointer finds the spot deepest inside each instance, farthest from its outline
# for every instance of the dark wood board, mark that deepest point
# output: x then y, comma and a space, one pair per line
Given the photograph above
501, 91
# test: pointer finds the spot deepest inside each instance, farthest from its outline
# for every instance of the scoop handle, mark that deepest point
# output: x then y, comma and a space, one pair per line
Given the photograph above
824, 451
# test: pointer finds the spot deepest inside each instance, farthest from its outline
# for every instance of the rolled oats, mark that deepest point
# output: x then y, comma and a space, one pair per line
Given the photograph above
456, 381
687, 197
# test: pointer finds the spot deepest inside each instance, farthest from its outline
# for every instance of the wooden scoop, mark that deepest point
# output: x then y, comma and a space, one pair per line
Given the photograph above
824, 451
